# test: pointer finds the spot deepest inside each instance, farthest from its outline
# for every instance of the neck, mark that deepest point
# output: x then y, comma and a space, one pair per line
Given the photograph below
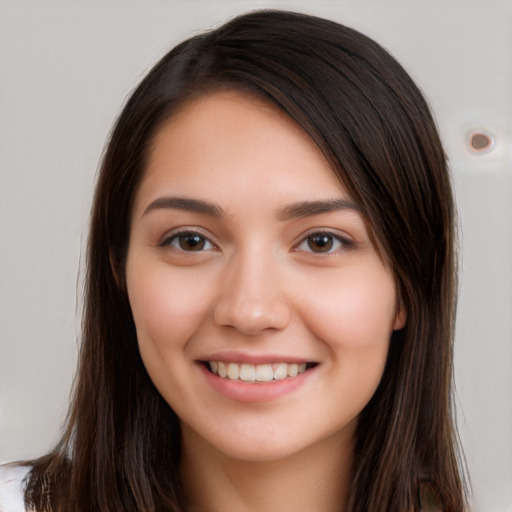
314, 479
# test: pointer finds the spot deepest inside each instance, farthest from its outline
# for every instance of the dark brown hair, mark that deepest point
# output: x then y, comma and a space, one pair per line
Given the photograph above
121, 448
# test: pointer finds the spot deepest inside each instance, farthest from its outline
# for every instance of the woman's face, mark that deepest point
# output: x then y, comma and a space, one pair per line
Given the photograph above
263, 311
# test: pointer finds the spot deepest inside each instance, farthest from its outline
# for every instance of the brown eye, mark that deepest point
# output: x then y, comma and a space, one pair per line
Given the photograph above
188, 241
191, 242
320, 242
324, 242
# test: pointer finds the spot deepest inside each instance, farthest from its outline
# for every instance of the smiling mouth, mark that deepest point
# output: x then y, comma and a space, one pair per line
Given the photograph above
257, 372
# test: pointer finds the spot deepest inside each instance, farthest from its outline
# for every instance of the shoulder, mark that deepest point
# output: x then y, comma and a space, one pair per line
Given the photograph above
12, 486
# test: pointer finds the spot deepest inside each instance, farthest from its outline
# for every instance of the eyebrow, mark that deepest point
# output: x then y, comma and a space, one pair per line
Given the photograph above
186, 204
289, 212
310, 208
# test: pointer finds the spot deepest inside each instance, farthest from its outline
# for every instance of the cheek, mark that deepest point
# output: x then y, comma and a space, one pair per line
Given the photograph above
167, 307
167, 311
355, 312
354, 321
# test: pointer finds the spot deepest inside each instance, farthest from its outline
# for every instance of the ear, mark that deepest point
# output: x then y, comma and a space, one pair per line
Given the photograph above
116, 270
400, 316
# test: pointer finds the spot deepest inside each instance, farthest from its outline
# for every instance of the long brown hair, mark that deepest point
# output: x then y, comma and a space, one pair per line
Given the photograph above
121, 447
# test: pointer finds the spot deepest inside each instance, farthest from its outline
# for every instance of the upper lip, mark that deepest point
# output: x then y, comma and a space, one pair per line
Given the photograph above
243, 357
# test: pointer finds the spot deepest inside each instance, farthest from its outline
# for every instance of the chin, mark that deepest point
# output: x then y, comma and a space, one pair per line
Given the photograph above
260, 443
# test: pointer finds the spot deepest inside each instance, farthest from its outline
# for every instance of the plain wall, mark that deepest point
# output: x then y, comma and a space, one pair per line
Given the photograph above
66, 69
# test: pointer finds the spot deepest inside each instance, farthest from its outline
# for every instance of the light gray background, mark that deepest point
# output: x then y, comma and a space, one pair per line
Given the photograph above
65, 71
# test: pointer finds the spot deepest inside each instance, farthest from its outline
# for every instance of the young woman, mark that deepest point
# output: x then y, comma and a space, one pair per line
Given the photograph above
270, 291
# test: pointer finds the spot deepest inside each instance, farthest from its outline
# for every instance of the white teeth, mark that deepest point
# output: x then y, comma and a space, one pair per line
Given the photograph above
264, 373
293, 370
233, 371
256, 373
247, 372
222, 370
281, 372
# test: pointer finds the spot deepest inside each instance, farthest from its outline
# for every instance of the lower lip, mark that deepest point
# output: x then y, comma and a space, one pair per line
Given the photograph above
255, 391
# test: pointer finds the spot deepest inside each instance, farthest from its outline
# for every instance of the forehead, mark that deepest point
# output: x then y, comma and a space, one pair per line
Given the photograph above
236, 140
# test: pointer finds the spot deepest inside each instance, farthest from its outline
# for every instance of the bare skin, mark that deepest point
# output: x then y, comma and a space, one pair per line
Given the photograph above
289, 485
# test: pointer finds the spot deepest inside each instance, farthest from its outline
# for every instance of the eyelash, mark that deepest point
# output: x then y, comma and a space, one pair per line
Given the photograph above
339, 242
336, 242
174, 237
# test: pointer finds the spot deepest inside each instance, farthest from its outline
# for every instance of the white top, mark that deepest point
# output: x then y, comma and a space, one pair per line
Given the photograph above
12, 487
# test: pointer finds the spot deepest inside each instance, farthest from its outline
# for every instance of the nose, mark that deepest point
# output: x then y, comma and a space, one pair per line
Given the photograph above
252, 299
